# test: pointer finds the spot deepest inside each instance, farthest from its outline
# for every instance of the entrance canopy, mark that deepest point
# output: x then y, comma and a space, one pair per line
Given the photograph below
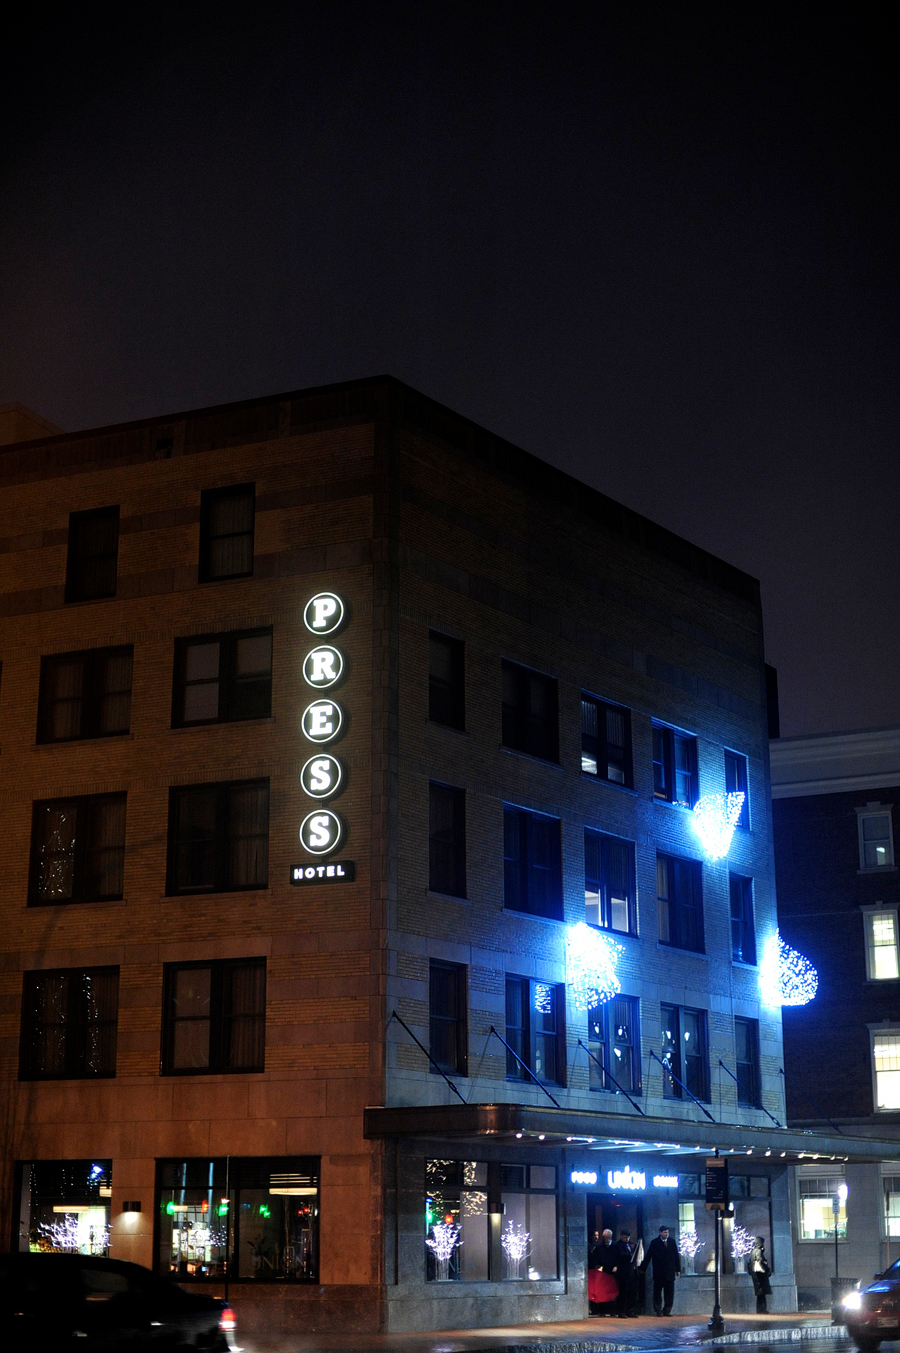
623, 1133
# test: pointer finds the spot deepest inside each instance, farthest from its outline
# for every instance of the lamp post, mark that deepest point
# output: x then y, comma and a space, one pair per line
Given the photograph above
839, 1197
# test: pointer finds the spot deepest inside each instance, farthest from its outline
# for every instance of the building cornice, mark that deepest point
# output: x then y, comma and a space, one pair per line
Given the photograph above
835, 763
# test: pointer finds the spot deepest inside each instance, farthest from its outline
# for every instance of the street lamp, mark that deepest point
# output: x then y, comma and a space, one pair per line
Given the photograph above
839, 1197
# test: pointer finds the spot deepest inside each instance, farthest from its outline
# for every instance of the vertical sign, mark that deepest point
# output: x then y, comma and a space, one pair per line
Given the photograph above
716, 1184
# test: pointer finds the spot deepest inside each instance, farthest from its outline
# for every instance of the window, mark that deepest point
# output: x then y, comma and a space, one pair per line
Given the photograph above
891, 1185
881, 944
886, 1065
219, 837
446, 840
532, 866
93, 554
221, 678
606, 741
447, 1012
614, 1040
446, 680
530, 716
77, 850
69, 1024
85, 695
816, 1196
685, 1052
736, 783
259, 1216
226, 532
876, 840
746, 1057
462, 1195
609, 893
64, 1207
214, 1017
674, 766
743, 931
535, 1030
680, 902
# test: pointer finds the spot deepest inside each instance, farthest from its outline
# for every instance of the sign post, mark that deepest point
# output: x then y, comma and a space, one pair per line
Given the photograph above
717, 1203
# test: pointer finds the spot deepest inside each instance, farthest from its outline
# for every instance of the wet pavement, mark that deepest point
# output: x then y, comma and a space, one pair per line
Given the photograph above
813, 1330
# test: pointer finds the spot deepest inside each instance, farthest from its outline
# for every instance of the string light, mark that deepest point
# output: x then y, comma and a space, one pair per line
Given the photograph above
591, 959
543, 998
785, 976
715, 818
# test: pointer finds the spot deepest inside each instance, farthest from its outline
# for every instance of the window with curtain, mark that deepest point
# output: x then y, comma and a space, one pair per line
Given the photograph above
221, 678
530, 719
680, 902
446, 680
69, 1022
615, 1043
674, 766
219, 837
532, 863
446, 840
77, 850
609, 886
737, 782
214, 1016
606, 741
93, 553
227, 518
85, 695
743, 930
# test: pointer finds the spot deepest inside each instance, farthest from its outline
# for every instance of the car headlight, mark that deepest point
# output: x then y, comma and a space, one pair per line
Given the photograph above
853, 1301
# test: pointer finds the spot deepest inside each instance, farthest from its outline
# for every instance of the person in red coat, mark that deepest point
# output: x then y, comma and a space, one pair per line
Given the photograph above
663, 1254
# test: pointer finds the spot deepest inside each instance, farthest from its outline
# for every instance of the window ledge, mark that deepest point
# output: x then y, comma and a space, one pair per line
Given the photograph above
667, 803
82, 902
219, 723
881, 982
530, 756
532, 916
737, 962
447, 897
609, 784
616, 934
879, 869
677, 949
448, 728
81, 742
219, 892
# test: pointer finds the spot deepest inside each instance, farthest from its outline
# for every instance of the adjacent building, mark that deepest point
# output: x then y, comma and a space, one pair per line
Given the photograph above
387, 881
834, 799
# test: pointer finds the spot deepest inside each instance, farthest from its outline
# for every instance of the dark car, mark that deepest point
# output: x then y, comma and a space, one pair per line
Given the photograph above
873, 1314
78, 1301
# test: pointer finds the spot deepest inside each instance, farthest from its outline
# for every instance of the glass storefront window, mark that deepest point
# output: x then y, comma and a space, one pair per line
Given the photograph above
463, 1198
257, 1218
817, 1221
456, 1221
64, 1206
891, 1183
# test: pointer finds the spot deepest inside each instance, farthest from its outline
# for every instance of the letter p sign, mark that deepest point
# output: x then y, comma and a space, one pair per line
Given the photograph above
324, 613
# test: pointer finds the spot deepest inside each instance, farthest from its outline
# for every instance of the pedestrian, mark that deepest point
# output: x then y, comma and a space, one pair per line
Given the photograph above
759, 1273
603, 1289
662, 1253
625, 1274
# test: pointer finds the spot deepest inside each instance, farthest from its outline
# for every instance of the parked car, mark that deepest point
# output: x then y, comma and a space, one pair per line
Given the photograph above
873, 1313
79, 1301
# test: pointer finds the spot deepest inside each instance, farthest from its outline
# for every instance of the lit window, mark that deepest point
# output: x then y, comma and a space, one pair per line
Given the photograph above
876, 842
891, 1183
674, 766
881, 945
886, 1061
609, 891
605, 741
817, 1195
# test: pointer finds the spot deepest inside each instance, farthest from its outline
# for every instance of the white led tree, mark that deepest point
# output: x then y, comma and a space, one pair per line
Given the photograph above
516, 1242
442, 1242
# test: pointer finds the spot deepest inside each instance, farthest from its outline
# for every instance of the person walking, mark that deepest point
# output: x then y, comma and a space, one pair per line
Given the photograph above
602, 1285
625, 1274
759, 1274
662, 1253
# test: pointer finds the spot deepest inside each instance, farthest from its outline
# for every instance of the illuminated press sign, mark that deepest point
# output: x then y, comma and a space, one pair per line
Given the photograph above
322, 831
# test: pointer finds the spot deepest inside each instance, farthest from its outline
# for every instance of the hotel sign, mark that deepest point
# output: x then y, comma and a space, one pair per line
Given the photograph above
322, 830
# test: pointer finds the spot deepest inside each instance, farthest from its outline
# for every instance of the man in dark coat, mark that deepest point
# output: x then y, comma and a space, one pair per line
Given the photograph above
625, 1274
663, 1254
604, 1258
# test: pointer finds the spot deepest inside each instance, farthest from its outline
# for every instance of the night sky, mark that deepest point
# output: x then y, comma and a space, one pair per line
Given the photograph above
656, 245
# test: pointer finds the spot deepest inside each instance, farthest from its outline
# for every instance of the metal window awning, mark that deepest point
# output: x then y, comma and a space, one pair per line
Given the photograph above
623, 1133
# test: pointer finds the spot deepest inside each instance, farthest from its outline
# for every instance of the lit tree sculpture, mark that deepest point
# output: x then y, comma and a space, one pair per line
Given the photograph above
742, 1243
516, 1242
442, 1242
689, 1246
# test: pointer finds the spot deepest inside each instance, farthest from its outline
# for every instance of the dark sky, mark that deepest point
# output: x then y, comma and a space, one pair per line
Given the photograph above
655, 245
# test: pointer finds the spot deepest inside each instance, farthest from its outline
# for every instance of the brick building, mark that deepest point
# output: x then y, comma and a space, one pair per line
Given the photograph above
333, 707
834, 799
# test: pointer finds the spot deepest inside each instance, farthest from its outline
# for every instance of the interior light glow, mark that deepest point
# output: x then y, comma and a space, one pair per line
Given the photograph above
785, 976
715, 818
591, 959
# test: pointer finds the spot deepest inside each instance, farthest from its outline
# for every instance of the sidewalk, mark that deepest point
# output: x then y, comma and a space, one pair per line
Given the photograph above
573, 1336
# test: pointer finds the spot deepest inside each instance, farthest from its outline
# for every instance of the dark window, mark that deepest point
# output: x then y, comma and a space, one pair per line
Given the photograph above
85, 695
736, 783
674, 766
614, 1040
447, 1015
226, 532
532, 868
447, 840
530, 716
215, 1016
446, 680
219, 837
606, 741
220, 678
609, 892
69, 1024
77, 849
535, 1029
685, 1052
746, 1056
253, 1219
93, 554
680, 902
743, 933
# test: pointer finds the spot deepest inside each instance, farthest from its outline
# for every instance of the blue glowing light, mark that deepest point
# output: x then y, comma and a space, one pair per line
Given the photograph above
543, 998
591, 959
785, 976
715, 818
